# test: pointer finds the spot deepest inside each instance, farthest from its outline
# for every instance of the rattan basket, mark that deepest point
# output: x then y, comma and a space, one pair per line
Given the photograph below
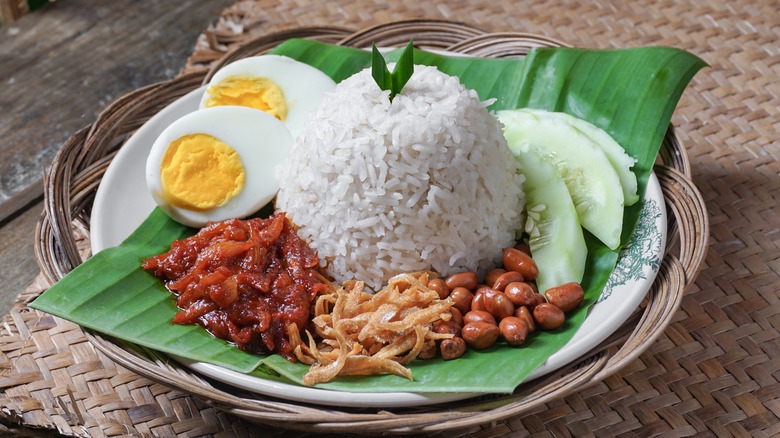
76, 172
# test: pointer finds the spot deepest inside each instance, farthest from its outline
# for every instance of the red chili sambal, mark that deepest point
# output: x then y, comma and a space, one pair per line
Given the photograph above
243, 280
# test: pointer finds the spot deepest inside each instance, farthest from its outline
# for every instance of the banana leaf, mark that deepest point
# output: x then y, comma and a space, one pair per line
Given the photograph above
629, 93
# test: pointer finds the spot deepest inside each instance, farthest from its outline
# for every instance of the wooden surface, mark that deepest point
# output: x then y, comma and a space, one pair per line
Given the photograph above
59, 66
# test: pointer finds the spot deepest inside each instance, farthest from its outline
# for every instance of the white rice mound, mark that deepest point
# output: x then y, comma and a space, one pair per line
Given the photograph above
426, 182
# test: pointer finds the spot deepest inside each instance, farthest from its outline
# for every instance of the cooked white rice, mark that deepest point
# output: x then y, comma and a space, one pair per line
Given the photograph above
426, 182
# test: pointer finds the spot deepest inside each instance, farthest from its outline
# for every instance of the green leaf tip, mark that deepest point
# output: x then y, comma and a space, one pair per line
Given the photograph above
395, 81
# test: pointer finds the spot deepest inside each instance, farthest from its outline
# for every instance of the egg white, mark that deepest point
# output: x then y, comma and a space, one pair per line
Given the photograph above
303, 85
260, 140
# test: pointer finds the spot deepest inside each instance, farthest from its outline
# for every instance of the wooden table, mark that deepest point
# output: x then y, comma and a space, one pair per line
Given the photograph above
59, 66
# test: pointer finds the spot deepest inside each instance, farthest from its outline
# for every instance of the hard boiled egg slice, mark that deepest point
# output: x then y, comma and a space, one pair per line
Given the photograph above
216, 164
281, 86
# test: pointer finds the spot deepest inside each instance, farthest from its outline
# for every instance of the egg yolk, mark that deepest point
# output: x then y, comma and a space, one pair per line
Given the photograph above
200, 172
252, 91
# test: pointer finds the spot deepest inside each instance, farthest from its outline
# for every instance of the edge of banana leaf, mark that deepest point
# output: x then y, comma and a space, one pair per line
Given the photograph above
89, 296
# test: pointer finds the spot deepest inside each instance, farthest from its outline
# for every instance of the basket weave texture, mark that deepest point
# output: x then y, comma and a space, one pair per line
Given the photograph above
712, 370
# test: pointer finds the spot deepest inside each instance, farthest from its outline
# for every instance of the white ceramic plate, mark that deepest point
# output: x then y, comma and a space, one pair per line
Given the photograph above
122, 203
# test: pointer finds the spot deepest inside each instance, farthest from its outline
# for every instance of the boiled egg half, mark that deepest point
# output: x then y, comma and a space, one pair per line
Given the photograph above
281, 86
217, 163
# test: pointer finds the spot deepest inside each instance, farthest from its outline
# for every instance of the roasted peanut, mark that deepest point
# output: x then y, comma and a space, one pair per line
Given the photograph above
523, 313
548, 316
492, 275
504, 279
440, 287
478, 302
516, 260
462, 279
461, 298
480, 335
514, 330
567, 296
520, 293
480, 287
457, 316
538, 299
452, 348
479, 316
446, 327
498, 305
523, 247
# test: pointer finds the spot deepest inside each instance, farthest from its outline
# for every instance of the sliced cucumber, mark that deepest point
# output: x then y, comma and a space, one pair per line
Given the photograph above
617, 156
556, 239
592, 181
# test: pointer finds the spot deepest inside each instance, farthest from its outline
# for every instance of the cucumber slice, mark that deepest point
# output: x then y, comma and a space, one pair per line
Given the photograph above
556, 239
592, 181
617, 156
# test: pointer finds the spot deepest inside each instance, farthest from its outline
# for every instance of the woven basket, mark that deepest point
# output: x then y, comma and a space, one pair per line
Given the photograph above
75, 174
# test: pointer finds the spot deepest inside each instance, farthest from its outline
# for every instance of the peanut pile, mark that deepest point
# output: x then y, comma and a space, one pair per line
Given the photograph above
506, 305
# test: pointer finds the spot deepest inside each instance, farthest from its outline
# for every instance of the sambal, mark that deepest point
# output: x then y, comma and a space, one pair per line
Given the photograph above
244, 281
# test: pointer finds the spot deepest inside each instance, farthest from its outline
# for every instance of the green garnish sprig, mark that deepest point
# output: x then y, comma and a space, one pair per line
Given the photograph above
403, 70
